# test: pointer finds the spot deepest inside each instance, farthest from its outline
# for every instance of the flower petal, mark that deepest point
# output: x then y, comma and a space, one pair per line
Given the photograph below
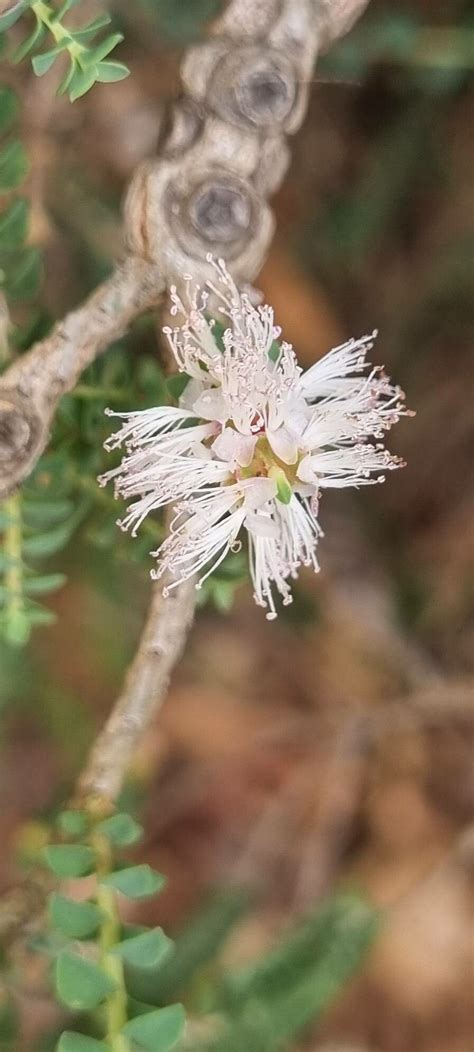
231, 446
306, 472
283, 445
211, 405
193, 390
261, 524
257, 492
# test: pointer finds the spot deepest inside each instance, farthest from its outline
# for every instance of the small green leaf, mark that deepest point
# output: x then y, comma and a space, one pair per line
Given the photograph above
44, 584
81, 36
38, 615
78, 920
46, 513
69, 1042
69, 860
121, 830
14, 224
183, 21
9, 1023
17, 628
73, 823
176, 384
65, 7
146, 950
218, 330
80, 984
275, 351
13, 166
136, 882
49, 944
110, 72
45, 544
284, 491
13, 14
129, 931
104, 48
157, 1030
234, 568
9, 107
223, 595
67, 80
5, 519
42, 63
24, 277
81, 81
29, 43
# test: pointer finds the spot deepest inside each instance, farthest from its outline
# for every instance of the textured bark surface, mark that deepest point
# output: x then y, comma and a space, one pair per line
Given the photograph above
145, 687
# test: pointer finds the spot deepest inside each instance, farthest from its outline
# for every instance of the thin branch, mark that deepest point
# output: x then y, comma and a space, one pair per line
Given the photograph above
145, 688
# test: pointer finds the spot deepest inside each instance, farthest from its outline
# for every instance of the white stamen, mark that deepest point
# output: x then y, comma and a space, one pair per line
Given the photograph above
245, 412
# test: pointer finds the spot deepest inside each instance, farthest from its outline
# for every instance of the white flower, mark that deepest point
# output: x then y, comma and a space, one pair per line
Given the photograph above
253, 442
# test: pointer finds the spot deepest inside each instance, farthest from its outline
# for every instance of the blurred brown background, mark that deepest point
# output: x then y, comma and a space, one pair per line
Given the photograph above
334, 745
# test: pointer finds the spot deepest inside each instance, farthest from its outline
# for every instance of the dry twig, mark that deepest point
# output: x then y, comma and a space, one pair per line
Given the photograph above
145, 687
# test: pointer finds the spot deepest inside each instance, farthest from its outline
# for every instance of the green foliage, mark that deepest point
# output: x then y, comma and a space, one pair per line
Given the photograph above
9, 107
73, 823
220, 587
20, 265
136, 882
69, 860
160, 1029
31, 528
146, 950
268, 1004
70, 1042
435, 58
88, 56
85, 981
121, 829
77, 920
13, 13
63, 493
13, 166
194, 949
314, 940
80, 984
182, 20
9, 1023
28, 529
273, 1001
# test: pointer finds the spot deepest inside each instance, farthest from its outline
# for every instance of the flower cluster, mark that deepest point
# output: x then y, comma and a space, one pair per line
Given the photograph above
253, 442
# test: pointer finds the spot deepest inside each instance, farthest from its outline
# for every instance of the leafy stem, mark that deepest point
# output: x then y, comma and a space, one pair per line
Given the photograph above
87, 984
115, 1004
47, 17
88, 57
16, 624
